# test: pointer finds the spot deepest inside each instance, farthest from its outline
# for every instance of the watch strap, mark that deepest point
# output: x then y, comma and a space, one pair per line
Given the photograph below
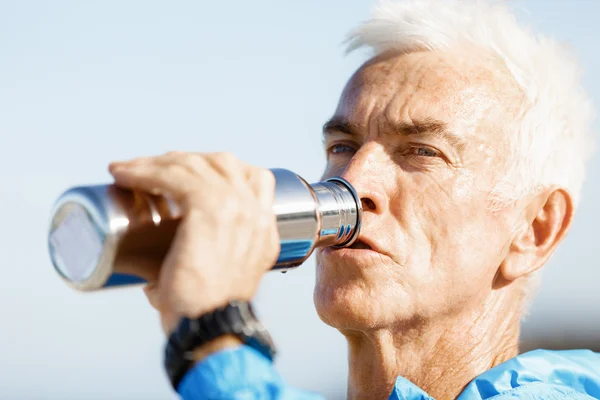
236, 318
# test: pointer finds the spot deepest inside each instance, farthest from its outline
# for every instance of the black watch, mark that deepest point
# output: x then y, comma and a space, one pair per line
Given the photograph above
236, 318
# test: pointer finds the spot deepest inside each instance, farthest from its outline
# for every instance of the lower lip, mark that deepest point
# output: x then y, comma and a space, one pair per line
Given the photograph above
355, 254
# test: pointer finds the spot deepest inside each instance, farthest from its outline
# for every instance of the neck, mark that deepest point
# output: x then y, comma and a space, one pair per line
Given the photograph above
441, 358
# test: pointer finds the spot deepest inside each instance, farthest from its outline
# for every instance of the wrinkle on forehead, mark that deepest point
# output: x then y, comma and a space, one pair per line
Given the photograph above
471, 93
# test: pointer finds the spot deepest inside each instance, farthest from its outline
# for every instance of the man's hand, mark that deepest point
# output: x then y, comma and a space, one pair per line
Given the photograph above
227, 238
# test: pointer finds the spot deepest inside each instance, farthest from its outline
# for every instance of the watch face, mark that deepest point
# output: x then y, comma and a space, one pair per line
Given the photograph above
254, 332
246, 315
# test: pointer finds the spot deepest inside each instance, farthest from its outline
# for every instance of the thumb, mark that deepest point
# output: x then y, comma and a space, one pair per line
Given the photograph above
153, 295
168, 319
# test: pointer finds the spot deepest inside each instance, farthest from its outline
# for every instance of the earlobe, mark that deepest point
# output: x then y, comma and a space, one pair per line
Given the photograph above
547, 219
518, 260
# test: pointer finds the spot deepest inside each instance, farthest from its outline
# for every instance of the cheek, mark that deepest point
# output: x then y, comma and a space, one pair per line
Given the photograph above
447, 227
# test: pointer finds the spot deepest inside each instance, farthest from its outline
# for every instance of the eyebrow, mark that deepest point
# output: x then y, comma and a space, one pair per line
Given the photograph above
427, 127
339, 124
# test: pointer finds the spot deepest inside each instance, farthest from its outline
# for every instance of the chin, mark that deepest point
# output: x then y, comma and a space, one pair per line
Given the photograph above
354, 302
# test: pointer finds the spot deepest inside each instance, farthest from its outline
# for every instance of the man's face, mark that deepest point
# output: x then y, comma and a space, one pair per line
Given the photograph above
422, 137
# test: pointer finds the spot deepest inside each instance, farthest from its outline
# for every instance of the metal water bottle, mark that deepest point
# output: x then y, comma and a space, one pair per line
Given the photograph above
103, 236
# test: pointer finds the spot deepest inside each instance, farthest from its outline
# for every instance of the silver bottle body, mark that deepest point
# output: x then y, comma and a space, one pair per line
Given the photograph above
103, 236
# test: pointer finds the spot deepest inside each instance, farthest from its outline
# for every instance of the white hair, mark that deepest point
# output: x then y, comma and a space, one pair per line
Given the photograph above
553, 140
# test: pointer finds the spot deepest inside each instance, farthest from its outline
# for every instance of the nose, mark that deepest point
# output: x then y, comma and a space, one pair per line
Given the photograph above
365, 172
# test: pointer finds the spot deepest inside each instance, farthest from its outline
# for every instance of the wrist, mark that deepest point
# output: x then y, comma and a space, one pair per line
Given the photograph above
195, 339
190, 313
221, 343
204, 306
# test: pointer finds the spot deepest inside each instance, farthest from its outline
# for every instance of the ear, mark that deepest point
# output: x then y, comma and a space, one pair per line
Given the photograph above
546, 221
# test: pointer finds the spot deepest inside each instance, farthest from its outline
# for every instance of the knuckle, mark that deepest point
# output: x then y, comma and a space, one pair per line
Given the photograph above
169, 171
180, 156
182, 160
174, 153
187, 157
225, 159
193, 162
227, 156
267, 178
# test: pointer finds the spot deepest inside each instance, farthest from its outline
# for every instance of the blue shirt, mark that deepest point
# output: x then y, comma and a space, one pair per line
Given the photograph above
243, 373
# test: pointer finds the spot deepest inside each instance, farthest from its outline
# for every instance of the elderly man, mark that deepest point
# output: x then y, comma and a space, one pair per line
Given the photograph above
466, 139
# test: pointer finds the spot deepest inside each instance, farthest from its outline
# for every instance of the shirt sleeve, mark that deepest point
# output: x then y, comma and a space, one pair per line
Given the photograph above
235, 374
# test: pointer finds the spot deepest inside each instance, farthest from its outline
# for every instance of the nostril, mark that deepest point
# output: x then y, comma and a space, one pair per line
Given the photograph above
368, 204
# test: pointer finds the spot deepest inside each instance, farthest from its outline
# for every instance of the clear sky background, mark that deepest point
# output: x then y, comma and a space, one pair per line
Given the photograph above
83, 83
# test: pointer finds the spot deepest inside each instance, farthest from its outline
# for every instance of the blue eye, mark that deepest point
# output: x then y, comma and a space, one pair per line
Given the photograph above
425, 152
340, 148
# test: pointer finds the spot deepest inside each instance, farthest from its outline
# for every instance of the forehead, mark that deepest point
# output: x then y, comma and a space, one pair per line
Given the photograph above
466, 91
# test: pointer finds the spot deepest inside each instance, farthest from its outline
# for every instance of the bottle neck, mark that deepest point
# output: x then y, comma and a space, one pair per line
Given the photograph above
339, 210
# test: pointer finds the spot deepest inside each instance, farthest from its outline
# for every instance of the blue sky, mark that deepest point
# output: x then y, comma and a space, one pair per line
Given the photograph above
85, 83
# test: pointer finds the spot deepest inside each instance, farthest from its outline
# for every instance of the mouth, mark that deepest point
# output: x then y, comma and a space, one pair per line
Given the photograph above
366, 245
362, 252
360, 245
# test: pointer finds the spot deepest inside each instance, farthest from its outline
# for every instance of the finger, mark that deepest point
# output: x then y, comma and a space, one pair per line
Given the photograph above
193, 161
263, 183
153, 178
166, 173
228, 166
137, 161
